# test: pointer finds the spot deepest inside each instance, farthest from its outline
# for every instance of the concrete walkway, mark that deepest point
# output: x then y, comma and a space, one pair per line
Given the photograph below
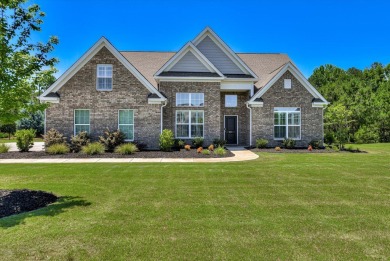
38, 146
240, 154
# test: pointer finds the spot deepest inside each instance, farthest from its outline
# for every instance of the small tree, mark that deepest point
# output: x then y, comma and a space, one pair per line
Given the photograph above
8, 128
338, 119
166, 140
34, 121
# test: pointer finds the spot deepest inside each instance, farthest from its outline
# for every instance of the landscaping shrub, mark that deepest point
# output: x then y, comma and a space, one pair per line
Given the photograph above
140, 145
79, 141
93, 148
33, 121
166, 140
366, 135
315, 144
112, 139
329, 138
205, 152
288, 143
261, 143
126, 149
187, 147
219, 142
220, 151
58, 149
278, 149
199, 150
179, 143
198, 142
52, 137
4, 148
211, 147
24, 139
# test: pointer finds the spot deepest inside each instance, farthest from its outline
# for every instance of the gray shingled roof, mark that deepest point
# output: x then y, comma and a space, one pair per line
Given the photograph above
53, 95
265, 66
189, 74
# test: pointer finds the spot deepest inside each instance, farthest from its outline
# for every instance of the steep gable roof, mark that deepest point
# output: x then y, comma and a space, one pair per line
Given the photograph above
103, 42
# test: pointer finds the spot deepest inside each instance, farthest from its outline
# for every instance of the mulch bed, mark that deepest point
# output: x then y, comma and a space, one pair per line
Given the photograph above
141, 154
18, 201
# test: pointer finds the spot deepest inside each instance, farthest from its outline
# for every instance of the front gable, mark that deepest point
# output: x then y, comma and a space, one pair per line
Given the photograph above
102, 44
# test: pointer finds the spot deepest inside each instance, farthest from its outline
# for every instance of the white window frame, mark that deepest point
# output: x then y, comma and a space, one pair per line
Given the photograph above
286, 111
232, 95
189, 124
127, 124
287, 83
97, 77
189, 98
74, 120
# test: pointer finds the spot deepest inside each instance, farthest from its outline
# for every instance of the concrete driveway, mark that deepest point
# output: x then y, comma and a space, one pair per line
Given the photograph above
38, 146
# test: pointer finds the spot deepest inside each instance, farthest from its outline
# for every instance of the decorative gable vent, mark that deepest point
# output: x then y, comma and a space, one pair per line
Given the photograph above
287, 83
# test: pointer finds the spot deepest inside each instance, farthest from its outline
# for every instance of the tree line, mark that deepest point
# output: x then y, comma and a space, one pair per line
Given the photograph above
359, 109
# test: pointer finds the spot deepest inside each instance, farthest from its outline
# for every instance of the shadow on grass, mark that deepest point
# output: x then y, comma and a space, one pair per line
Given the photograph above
54, 209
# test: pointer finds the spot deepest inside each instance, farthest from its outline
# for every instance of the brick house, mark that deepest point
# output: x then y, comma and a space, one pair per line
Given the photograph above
205, 89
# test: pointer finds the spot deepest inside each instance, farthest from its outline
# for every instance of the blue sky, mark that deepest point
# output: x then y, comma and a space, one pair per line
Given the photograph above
345, 33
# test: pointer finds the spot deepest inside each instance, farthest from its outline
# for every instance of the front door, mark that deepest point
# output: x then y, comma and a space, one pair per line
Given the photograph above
231, 129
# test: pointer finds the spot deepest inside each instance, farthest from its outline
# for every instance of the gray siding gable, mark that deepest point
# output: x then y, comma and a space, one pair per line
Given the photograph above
189, 63
217, 57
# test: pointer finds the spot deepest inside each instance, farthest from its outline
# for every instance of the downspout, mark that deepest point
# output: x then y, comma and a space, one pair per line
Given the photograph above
250, 124
162, 106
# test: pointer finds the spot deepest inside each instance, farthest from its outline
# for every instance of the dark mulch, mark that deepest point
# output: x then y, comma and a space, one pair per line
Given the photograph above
141, 154
18, 201
300, 150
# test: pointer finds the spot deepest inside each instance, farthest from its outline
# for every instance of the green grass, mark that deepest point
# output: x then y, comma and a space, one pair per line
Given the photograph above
6, 140
332, 206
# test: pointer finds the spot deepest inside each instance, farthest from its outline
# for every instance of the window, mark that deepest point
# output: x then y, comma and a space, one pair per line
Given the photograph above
126, 123
81, 121
287, 83
104, 77
189, 124
189, 99
287, 123
230, 100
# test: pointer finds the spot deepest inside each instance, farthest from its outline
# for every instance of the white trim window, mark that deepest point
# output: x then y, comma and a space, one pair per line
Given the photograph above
185, 99
230, 101
126, 123
189, 124
81, 121
104, 77
287, 123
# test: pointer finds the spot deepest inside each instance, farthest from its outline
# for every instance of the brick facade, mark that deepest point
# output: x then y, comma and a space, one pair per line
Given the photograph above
211, 108
278, 96
127, 93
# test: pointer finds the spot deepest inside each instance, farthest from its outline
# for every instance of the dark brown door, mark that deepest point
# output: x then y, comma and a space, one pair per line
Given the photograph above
231, 129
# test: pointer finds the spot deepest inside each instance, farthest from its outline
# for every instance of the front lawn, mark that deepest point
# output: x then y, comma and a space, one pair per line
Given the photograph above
327, 206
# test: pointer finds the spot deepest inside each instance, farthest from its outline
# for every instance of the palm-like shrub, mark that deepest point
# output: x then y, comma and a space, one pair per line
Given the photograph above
53, 136
79, 141
112, 139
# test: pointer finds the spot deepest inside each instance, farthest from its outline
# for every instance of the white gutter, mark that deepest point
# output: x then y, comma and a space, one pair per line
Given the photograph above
250, 124
162, 106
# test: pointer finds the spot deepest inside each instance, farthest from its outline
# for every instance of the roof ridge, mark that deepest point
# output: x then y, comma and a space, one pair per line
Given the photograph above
259, 53
126, 51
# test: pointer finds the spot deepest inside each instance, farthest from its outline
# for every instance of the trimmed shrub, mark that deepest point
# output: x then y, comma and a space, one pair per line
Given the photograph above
52, 137
58, 149
166, 140
4, 148
205, 152
187, 147
93, 148
199, 150
278, 149
112, 139
179, 143
211, 147
198, 142
126, 149
261, 143
219, 142
220, 151
315, 144
288, 143
79, 141
24, 139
